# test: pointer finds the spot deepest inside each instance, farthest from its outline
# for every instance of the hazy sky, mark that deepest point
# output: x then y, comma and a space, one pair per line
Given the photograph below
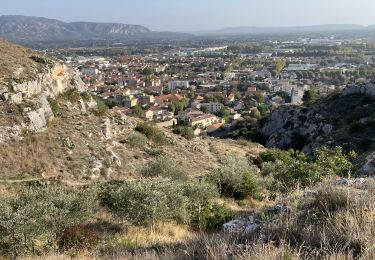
185, 15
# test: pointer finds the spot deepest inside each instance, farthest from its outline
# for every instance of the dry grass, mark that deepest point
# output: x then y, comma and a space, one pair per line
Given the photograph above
334, 221
161, 234
16, 58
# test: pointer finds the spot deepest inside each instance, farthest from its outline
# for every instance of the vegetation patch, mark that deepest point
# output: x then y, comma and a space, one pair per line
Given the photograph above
153, 133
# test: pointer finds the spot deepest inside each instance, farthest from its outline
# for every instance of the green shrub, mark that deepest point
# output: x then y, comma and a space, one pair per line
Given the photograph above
164, 166
137, 140
236, 179
54, 106
138, 111
42, 59
184, 131
334, 160
101, 106
273, 155
212, 217
152, 132
145, 202
292, 169
72, 95
86, 96
310, 96
155, 151
204, 214
30, 220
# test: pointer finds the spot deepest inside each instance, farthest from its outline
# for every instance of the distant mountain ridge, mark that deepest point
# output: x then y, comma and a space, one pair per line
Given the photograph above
42, 32
21, 29
286, 29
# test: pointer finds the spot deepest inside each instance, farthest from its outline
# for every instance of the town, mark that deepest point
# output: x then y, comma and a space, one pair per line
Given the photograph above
216, 90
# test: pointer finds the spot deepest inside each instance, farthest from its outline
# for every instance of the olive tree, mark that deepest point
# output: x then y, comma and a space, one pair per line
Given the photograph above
31, 219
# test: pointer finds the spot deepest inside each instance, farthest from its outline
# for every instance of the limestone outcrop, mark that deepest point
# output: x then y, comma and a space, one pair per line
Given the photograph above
297, 127
32, 99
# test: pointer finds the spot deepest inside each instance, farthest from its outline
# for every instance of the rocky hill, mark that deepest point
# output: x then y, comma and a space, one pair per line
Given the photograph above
23, 29
346, 120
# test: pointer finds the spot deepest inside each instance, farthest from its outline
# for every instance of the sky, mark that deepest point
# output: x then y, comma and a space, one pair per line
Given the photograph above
197, 15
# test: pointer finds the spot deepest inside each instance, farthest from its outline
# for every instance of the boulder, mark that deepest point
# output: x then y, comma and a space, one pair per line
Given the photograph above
278, 209
234, 227
368, 168
37, 120
242, 228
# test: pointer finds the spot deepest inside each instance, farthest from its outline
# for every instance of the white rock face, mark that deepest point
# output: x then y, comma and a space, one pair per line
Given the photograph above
38, 119
113, 156
33, 96
55, 81
106, 129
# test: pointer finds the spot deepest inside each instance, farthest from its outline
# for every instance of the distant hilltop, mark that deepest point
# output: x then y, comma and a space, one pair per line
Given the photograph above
23, 29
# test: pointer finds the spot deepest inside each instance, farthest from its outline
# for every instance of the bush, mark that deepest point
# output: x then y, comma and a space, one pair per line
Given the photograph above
164, 166
310, 96
292, 169
137, 140
155, 151
334, 161
200, 196
152, 132
145, 202
86, 96
184, 131
72, 95
138, 111
42, 59
273, 155
78, 237
30, 220
235, 179
212, 217
101, 106
54, 106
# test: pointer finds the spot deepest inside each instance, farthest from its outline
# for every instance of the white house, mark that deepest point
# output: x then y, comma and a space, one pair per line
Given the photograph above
172, 85
91, 71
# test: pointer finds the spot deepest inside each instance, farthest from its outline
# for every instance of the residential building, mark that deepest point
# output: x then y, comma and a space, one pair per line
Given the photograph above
174, 84
203, 121
211, 107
